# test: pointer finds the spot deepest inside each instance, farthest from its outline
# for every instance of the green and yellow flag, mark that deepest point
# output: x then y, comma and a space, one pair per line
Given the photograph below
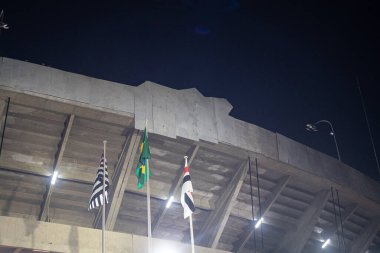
143, 164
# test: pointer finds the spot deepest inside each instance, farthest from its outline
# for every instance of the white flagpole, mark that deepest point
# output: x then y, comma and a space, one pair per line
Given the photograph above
148, 199
192, 234
191, 223
104, 198
149, 215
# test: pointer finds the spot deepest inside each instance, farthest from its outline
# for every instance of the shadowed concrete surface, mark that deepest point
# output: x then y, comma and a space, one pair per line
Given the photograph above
58, 120
51, 237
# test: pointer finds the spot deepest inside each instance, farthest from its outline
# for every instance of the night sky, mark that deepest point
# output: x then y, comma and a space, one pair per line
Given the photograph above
281, 64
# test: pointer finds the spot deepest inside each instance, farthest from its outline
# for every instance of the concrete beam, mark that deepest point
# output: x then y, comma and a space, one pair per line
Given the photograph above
175, 187
293, 242
3, 110
3, 105
331, 230
54, 237
54, 104
361, 244
65, 136
120, 179
201, 205
265, 209
214, 226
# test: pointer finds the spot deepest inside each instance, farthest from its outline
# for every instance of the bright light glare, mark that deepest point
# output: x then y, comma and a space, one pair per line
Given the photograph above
54, 178
258, 224
326, 243
170, 201
166, 248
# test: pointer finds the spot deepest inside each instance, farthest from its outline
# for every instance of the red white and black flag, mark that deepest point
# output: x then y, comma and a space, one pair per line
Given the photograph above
187, 193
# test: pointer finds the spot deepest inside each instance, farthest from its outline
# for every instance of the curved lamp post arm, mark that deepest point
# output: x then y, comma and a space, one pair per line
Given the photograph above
333, 134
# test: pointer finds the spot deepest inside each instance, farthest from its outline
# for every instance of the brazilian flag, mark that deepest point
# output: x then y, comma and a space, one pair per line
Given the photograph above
143, 164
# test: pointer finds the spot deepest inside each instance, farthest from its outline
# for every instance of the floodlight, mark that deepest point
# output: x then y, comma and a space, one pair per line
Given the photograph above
170, 201
54, 178
327, 242
258, 223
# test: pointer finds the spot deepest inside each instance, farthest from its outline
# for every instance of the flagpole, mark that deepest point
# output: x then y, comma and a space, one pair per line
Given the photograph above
192, 234
148, 205
148, 199
191, 222
104, 197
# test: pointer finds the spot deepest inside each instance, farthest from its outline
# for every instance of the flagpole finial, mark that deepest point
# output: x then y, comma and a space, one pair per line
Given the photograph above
104, 141
185, 159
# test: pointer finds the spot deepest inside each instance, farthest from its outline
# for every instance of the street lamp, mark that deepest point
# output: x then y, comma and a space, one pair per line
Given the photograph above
313, 128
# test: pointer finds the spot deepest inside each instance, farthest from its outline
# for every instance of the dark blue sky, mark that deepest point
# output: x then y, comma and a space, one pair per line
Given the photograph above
281, 64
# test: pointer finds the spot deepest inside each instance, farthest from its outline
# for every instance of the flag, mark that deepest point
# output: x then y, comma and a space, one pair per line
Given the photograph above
143, 164
96, 199
187, 193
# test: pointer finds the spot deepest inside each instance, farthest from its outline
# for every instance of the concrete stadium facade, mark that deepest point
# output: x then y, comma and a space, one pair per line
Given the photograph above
57, 120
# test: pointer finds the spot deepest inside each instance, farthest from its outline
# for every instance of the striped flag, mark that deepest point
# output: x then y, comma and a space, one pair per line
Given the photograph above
187, 193
96, 199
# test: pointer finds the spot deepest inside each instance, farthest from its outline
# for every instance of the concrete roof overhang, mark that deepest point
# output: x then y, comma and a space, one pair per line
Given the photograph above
57, 121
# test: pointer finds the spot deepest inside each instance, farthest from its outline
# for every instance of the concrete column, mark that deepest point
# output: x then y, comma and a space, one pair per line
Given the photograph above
361, 244
293, 242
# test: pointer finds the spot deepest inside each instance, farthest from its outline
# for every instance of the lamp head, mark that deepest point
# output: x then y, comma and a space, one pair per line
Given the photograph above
311, 127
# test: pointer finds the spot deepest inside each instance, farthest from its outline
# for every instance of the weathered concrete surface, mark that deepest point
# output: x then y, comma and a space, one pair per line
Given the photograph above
49, 81
170, 112
181, 113
26, 233
324, 166
294, 242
